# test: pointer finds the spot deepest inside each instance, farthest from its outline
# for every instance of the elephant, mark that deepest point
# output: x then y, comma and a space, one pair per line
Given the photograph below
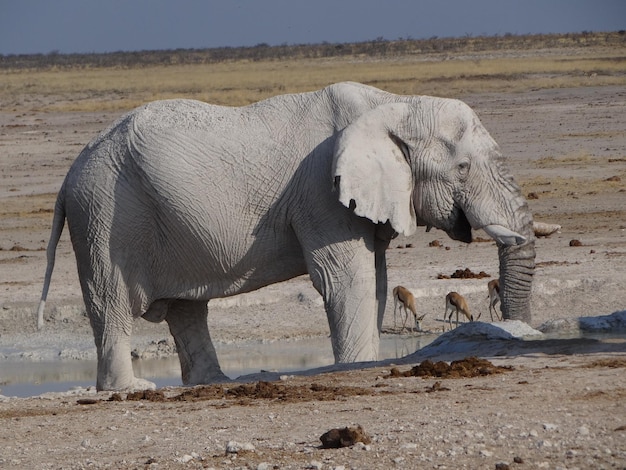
180, 202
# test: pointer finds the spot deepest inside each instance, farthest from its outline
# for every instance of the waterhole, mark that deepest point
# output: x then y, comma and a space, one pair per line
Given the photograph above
29, 378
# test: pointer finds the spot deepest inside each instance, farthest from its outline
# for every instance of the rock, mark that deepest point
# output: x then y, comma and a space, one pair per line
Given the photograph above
582, 431
185, 458
604, 323
345, 437
544, 230
234, 447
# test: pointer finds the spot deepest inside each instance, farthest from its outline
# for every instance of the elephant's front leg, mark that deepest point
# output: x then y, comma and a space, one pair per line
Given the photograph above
345, 275
187, 320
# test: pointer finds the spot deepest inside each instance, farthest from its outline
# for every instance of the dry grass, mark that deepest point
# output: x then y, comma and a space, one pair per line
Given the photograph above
242, 82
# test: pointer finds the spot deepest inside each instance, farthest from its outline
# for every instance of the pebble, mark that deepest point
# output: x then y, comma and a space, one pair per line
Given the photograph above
583, 431
185, 458
544, 443
485, 453
549, 426
234, 447
315, 465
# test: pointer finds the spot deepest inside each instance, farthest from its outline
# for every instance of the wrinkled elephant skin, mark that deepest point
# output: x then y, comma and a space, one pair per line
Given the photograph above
179, 202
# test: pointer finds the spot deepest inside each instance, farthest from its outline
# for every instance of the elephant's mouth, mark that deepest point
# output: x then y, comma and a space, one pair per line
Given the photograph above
461, 230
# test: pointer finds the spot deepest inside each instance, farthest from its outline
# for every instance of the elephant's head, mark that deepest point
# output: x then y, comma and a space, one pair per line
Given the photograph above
429, 161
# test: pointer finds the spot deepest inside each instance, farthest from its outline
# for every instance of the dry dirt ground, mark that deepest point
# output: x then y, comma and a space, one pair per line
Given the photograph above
554, 403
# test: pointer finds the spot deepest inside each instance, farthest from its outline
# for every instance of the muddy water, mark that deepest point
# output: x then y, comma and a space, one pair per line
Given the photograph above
24, 379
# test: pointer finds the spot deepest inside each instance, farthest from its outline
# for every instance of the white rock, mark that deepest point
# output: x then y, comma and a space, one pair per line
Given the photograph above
583, 431
549, 426
315, 465
485, 453
233, 447
263, 466
85, 444
185, 458
409, 445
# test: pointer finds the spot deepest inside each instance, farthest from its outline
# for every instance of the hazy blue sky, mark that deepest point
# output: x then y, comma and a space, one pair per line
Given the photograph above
42, 26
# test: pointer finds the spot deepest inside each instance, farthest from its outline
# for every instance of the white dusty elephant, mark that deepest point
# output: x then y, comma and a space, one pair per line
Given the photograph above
180, 202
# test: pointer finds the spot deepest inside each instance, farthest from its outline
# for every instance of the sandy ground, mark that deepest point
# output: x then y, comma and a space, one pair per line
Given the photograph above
559, 403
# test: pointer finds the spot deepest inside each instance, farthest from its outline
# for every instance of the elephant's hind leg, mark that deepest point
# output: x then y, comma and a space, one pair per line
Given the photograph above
187, 320
112, 334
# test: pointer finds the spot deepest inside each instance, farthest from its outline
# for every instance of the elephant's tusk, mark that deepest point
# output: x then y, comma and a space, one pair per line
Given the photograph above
503, 235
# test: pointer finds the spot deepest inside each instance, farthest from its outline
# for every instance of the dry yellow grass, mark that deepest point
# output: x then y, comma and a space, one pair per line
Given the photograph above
243, 82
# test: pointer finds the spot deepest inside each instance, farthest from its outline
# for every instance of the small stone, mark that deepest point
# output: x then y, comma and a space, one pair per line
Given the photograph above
533, 433
85, 444
315, 465
234, 447
583, 431
398, 460
485, 453
263, 466
409, 445
502, 466
549, 426
544, 443
185, 458
518, 459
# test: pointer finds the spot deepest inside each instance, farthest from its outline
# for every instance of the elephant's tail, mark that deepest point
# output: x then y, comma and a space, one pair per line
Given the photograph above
58, 223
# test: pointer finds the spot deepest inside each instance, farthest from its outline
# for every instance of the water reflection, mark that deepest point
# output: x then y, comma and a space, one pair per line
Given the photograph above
24, 379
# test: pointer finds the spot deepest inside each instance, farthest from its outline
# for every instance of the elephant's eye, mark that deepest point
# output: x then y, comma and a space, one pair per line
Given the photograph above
463, 168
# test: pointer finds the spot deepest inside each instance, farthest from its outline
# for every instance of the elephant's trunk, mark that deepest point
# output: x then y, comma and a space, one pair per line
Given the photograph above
517, 265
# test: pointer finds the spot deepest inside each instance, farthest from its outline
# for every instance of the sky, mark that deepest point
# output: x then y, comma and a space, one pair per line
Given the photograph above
86, 26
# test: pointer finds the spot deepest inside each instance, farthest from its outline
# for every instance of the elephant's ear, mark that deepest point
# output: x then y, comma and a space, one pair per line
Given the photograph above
371, 170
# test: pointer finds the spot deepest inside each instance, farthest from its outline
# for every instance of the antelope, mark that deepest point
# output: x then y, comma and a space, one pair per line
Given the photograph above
494, 298
455, 301
407, 302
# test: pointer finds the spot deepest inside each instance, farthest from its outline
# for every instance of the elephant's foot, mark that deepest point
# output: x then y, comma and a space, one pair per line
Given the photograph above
187, 321
199, 376
115, 369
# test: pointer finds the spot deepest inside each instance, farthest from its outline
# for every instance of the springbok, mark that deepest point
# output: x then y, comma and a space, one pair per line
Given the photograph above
494, 298
406, 300
456, 302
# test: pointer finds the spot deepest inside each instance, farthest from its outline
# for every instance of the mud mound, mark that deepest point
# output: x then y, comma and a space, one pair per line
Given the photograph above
344, 437
466, 273
247, 393
468, 367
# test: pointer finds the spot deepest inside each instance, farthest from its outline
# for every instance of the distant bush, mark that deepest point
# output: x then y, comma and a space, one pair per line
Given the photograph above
375, 48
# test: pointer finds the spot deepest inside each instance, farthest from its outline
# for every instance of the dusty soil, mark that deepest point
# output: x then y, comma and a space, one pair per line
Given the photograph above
552, 404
